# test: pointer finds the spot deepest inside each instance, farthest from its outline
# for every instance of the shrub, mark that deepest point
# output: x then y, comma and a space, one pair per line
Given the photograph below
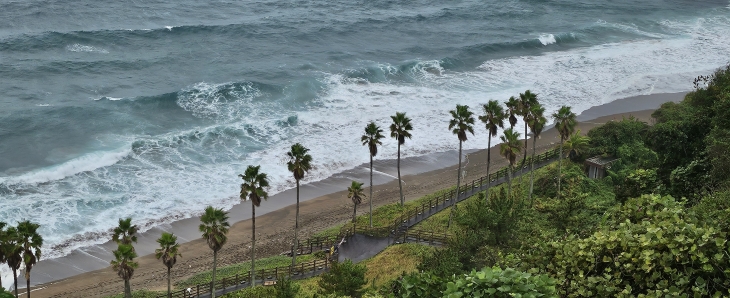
344, 278
495, 282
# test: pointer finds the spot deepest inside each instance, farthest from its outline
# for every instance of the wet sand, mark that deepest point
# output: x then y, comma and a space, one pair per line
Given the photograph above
86, 272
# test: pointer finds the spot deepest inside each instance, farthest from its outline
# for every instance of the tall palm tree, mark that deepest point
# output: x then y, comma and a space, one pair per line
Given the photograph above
3, 240
510, 149
355, 193
536, 122
513, 110
124, 265
214, 226
493, 119
527, 100
13, 253
31, 242
371, 138
400, 130
565, 124
576, 144
168, 252
126, 232
252, 189
299, 163
462, 121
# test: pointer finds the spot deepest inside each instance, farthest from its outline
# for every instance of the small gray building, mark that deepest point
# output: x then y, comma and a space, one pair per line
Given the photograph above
596, 166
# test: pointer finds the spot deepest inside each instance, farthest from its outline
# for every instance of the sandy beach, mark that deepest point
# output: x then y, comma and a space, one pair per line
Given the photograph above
86, 272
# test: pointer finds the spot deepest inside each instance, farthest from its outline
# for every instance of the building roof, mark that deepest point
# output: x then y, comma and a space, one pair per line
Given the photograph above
601, 161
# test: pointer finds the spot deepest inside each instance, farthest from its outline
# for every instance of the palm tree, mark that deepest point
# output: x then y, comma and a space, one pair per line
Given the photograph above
31, 242
124, 265
493, 119
400, 130
252, 189
576, 144
355, 193
299, 163
527, 100
565, 124
3, 240
125, 233
168, 252
462, 121
536, 122
371, 138
13, 253
510, 148
513, 109
214, 226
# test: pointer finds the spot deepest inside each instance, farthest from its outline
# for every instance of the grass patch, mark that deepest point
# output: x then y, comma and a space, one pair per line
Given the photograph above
330, 232
308, 287
139, 294
255, 292
393, 261
241, 268
385, 215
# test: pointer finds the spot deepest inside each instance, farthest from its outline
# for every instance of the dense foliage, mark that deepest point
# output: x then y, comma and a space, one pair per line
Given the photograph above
344, 279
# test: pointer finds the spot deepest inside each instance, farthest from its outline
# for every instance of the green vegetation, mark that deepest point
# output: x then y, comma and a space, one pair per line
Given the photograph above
395, 260
344, 279
214, 226
299, 163
241, 269
137, 294
168, 253
253, 189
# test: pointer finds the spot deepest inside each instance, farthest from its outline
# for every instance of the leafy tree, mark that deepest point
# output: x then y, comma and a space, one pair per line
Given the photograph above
371, 138
124, 265
421, 285
527, 101
510, 149
31, 241
252, 189
214, 226
344, 279
493, 119
607, 138
565, 124
443, 262
650, 246
576, 146
536, 121
495, 282
285, 288
299, 163
400, 130
126, 232
462, 121
168, 252
355, 193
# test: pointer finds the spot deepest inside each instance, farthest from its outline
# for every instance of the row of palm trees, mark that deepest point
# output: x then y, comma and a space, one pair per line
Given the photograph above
214, 222
20, 245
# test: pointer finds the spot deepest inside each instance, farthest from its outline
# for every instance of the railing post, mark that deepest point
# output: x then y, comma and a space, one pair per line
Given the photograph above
197, 290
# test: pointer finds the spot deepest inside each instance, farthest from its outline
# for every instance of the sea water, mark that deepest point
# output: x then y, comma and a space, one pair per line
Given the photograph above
150, 109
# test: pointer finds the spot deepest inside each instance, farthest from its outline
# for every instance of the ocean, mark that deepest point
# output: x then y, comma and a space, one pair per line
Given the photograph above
150, 109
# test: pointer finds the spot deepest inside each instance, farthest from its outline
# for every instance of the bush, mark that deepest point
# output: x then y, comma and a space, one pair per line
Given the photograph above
255, 292
495, 282
285, 288
344, 278
651, 246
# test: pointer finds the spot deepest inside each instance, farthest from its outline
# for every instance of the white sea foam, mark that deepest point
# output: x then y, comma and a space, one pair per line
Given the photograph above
177, 174
84, 48
169, 28
547, 39
84, 163
107, 98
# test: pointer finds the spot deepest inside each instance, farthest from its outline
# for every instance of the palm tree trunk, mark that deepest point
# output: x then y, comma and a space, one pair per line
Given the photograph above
15, 280
354, 212
458, 182
253, 242
524, 156
532, 168
489, 161
400, 182
212, 284
296, 232
169, 293
127, 289
371, 190
560, 165
509, 181
27, 287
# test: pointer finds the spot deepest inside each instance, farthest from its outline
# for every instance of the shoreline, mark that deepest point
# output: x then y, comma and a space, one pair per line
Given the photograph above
321, 205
